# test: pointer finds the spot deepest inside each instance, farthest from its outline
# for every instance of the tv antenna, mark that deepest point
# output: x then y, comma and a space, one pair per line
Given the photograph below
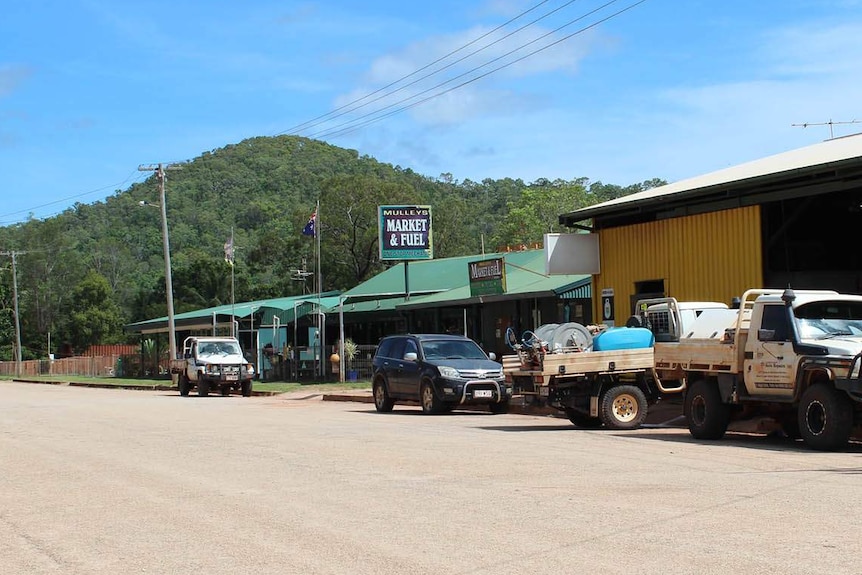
830, 123
301, 275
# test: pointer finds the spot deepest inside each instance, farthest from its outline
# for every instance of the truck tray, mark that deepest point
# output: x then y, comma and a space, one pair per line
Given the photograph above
582, 363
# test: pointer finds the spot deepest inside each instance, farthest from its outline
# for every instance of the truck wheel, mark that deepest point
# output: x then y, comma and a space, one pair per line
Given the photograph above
246, 388
624, 407
580, 419
382, 402
184, 385
500, 407
203, 388
707, 415
825, 418
430, 402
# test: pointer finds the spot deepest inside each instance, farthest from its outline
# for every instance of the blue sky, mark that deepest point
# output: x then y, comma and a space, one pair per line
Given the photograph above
91, 89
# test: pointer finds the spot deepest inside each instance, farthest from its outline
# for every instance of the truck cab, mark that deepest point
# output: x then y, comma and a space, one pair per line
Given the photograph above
212, 362
785, 354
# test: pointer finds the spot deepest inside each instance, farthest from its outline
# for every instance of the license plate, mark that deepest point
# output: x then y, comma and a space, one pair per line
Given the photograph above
544, 391
483, 393
232, 377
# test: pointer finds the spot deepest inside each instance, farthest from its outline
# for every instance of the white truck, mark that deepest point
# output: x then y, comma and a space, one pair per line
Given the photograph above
210, 363
790, 355
566, 367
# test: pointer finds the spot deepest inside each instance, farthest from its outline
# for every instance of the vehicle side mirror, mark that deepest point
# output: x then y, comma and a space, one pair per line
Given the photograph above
766, 334
492, 356
410, 356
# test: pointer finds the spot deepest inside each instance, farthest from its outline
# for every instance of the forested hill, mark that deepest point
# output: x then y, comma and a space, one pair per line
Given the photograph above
85, 273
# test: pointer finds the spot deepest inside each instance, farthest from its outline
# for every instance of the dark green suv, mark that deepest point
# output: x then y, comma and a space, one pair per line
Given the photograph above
440, 371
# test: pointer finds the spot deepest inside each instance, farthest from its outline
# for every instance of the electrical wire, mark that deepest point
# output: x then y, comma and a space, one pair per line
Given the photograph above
346, 127
332, 115
305, 125
67, 199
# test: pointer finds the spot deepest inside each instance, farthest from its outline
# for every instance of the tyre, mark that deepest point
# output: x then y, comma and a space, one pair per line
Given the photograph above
382, 402
184, 385
825, 418
246, 388
203, 388
430, 402
707, 415
624, 407
500, 407
580, 419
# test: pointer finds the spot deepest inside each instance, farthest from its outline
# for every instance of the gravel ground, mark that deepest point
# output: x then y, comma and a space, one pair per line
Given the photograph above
97, 481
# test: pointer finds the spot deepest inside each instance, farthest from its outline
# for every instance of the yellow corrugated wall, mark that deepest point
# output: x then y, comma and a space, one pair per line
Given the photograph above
705, 257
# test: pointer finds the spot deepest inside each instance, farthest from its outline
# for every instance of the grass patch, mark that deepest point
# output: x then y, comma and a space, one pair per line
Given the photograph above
271, 386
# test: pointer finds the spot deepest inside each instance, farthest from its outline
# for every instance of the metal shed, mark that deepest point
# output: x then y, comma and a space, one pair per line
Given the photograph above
788, 219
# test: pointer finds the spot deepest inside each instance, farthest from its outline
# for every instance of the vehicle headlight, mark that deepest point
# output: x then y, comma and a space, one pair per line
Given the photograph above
449, 372
212, 368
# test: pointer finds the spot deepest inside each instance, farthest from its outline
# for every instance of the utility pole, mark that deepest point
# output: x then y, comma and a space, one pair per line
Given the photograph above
160, 169
14, 256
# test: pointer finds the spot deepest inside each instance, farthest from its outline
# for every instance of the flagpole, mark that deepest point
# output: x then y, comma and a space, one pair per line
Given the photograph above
320, 325
233, 329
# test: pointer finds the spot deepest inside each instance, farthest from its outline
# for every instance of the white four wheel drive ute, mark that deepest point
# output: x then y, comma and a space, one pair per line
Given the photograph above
212, 363
791, 355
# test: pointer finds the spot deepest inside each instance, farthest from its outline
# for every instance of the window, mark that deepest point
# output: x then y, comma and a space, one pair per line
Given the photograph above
775, 320
410, 347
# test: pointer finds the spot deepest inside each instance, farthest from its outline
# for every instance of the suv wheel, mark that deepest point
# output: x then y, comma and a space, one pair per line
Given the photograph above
430, 402
382, 402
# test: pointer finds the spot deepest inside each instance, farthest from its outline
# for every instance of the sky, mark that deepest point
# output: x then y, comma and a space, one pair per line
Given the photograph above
617, 91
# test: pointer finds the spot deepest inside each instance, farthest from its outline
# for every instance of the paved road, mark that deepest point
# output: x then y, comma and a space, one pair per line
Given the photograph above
96, 481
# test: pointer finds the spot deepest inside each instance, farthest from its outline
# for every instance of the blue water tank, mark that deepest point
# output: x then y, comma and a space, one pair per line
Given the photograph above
623, 338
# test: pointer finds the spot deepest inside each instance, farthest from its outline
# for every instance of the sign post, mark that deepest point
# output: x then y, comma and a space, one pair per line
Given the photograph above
405, 234
487, 277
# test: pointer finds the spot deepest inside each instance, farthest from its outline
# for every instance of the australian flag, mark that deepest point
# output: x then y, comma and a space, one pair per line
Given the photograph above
310, 228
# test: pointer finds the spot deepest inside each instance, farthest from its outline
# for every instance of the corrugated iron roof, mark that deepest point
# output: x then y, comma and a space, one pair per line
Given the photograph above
822, 155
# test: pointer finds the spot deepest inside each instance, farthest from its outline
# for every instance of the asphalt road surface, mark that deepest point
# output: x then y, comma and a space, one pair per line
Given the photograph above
96, 481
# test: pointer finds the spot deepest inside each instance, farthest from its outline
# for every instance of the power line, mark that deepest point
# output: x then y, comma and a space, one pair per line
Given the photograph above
305, 125
345, 128
332, 115
67, 199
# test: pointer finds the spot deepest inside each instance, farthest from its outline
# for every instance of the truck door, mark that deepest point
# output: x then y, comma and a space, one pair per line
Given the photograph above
770, 362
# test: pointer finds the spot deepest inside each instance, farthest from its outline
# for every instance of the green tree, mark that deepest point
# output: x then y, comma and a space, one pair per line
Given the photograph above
349, 229
93, 315
536, 211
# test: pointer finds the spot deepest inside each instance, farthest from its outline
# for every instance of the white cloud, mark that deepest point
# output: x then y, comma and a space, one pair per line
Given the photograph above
465, 83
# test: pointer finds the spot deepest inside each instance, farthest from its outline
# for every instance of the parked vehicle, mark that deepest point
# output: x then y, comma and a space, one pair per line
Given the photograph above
593, 375
440, 371
212, 363
794, 356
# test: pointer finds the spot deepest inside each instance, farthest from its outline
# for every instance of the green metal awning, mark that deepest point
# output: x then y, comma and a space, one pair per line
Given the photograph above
200, 319
525, 278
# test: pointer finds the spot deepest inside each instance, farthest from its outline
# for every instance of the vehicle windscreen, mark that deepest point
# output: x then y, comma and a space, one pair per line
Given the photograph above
452, 350
824, 319
219, 348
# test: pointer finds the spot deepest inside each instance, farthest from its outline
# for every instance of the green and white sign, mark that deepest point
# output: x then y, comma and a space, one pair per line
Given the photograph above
487, 277
405, 233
